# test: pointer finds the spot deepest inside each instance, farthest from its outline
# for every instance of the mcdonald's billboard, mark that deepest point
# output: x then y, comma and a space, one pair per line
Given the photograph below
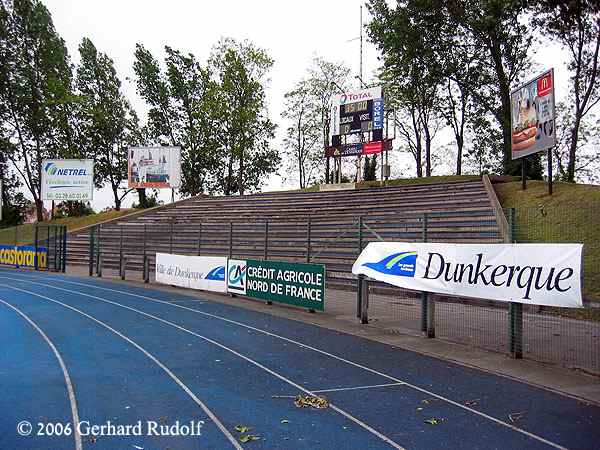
533, 122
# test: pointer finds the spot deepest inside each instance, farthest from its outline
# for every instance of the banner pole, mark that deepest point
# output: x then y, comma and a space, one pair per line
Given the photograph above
523, 177
550, 181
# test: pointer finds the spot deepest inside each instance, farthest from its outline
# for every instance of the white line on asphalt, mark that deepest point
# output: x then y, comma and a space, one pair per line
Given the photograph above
339, 358
320, 391
187, 390
244, 357
70, 390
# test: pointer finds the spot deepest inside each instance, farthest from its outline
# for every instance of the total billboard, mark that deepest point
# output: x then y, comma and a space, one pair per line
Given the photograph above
532, 116
68, 179
154, 167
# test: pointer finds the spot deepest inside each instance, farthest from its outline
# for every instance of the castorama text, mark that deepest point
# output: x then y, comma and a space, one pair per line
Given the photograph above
542, 274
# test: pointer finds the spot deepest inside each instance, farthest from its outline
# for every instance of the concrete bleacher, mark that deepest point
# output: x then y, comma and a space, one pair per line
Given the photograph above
280, 225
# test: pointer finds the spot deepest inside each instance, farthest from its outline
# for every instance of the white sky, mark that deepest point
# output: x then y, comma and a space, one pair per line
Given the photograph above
291, 32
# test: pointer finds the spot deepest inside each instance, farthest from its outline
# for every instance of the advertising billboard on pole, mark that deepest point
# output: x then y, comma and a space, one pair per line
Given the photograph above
532, 116
68, 179
154, 167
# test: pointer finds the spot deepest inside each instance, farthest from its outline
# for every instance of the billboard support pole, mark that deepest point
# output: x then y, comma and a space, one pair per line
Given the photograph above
523, 177
550, 181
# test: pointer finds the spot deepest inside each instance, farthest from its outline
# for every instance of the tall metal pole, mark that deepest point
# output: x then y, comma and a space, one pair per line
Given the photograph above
361, 44
550, 171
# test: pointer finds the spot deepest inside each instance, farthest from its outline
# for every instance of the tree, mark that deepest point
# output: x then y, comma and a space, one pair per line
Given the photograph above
499, 31
303, 143
13, 201
180, 99
411, 70
370, 168
35, 89
244, 129
576, 26
587, 157
308, 108
108, 122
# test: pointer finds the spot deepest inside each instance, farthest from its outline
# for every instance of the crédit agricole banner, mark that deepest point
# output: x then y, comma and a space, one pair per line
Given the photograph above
540, 274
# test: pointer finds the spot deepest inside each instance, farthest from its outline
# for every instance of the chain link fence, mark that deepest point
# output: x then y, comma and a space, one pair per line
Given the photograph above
563, 336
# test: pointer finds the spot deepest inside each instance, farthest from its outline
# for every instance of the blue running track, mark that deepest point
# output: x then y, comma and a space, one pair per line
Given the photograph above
82, 352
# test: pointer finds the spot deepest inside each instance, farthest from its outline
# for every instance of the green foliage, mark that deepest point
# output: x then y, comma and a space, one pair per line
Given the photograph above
108, 124
576, 26
146, 201
35, 90
216, 113
244, 129
307, 112
370, 168
72, 209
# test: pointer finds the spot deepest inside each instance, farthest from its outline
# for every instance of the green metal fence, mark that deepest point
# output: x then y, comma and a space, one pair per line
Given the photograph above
563, 336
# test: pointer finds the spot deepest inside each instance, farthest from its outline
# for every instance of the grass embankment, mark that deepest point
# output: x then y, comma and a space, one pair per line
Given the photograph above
570, 214
25, 233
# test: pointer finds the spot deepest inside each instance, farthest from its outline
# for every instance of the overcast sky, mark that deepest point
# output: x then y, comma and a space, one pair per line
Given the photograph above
291, 32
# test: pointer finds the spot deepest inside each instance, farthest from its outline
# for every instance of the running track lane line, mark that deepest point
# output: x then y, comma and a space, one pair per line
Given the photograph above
71, 392
199, 402
323, 352
349, 416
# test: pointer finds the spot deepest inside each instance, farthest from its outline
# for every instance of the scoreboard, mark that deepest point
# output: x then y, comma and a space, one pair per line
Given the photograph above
356, 112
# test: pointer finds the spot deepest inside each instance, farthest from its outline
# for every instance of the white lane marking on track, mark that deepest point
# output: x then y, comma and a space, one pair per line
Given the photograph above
70, 390
339, 358
358, 387
187, 390
256, 363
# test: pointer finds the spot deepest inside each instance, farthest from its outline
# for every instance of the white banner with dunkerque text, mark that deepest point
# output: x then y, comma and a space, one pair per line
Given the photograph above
540, 274
194, 272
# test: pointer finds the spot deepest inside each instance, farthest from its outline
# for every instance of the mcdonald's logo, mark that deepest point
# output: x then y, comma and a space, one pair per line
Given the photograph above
544, 85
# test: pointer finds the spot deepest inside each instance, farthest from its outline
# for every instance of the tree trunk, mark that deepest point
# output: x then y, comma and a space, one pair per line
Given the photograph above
459, 150
427, 150
39, 209
142, 198
573, 150
117, 199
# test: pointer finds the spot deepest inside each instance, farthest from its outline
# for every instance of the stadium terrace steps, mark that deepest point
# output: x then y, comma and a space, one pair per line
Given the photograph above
456, 212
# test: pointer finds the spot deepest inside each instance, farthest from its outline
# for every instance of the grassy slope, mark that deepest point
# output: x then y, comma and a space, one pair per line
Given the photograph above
25, 233
571, 214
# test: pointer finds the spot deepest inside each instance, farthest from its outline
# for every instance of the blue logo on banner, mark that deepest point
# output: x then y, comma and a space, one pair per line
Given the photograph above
378, 114
218, 274
399, 264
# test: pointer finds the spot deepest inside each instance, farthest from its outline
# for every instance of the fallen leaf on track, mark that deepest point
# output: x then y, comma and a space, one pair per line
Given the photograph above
435, 421
249, 438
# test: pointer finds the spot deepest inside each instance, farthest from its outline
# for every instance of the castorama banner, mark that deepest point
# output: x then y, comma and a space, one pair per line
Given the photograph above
540, 274
68, 179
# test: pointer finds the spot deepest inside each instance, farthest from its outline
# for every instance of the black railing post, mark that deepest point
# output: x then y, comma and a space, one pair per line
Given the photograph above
230, 239
99, 253
55, 229
427, 304
144, 256
308, 232
515, 310
121, 251
64, 252
91, 251
361, 277
35, 258
199, 238
266, 255
48, 247
171, 239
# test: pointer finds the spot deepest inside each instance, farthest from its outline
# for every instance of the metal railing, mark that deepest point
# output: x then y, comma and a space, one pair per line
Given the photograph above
568, 337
